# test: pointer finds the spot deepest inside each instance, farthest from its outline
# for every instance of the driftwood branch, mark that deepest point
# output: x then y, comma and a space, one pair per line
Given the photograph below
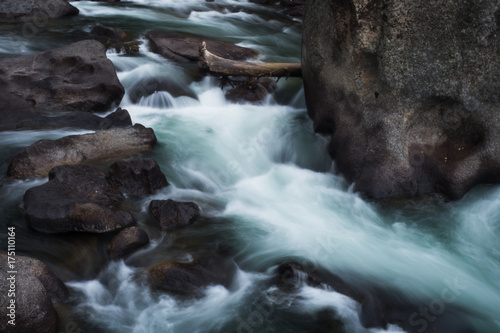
218, 65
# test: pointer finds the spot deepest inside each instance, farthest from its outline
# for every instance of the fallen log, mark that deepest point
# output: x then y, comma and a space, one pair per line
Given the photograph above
218, 65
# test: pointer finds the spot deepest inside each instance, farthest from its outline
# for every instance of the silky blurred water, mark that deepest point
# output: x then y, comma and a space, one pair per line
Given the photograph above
268, 191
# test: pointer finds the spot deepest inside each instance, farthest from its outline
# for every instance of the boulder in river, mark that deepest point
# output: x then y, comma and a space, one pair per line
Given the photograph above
190, 278
139, 176
26, 265
171, 214
183, 47
408, 92
17, 114
39, 158
35, 10
34, 311
252, 91
76, 77
35, 285
147, 86
127, 242
108, 33
76, 198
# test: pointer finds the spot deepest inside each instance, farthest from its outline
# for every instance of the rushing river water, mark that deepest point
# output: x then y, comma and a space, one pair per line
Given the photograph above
267, 190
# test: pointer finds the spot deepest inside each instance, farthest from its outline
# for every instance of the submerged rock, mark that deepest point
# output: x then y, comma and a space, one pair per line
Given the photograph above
127, 242
148, 86
251, 91
140, 176
35, 10
39, 158
76, 198
407, 91
189, 279
76, 77
171, 214
185, 48
108, 33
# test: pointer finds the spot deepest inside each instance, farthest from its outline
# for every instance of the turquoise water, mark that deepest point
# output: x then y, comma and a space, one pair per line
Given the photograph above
267, 190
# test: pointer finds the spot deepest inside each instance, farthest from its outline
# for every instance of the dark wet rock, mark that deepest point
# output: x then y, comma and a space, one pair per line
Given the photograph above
191, 278
108, 33
253, 91
76, 198
148, 86
39, 158
132, 47
15, 112
26, 265
76, 77
35, 10
18, 115
127, 242
407, 91
171, 214
34, 311
140, 176
185, 48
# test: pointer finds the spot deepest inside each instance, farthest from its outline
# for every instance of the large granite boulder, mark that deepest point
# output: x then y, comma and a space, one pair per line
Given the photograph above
408, 92
39, 158
34, 10
183, 47
76, 198
76, 77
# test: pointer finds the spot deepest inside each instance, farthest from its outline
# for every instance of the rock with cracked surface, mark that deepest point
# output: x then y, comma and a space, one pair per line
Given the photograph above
408, 92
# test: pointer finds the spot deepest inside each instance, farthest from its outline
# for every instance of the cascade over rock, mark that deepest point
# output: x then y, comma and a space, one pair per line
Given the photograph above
408, 92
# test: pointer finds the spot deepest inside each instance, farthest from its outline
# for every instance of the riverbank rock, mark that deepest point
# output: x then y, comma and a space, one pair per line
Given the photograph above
34, 311
127, 242
31, 10
171, 214
16, 114
39, 158
185, 48
26, 265
407, 91
141, 176
35, 286
76, 198
76, 77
